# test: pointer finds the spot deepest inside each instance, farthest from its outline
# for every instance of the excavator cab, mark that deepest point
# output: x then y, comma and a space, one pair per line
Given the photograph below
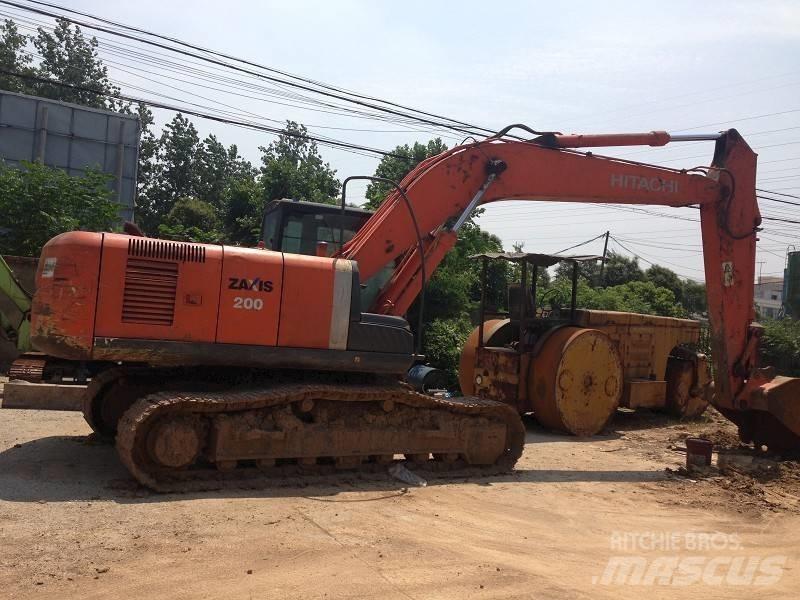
296, 226
312, 228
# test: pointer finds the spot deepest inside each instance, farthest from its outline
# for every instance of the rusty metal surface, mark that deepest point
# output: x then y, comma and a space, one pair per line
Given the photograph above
643, 393
28, 367
496, 332
688, 385
575, 382
252, 435
644, 342
497, 375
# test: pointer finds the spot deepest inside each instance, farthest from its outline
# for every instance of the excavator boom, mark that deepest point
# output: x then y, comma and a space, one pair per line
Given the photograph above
218, 365
445, 189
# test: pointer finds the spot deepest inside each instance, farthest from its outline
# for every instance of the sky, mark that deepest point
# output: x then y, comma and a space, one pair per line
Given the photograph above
588, 67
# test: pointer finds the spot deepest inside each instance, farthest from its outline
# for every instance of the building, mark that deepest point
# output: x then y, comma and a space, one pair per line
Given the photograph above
768, 296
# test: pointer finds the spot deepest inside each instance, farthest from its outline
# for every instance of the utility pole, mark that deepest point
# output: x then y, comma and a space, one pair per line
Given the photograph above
603, 262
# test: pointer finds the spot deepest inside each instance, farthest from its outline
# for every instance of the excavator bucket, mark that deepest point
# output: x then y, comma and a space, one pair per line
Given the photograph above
774, 420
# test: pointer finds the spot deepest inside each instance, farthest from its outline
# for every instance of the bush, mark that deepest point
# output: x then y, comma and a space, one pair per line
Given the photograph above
780, 346
191, 220
39, 202
444, 339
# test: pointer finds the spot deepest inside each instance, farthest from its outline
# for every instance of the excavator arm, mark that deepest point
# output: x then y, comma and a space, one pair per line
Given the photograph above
444, 190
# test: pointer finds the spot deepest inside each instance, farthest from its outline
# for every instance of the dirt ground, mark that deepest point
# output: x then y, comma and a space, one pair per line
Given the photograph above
73, 525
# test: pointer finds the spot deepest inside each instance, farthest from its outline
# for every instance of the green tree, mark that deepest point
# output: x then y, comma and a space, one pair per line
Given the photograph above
191, 220
643, 297
452, 295
67, 56
666, 278
216, 167
292, 167
396, 167
14, 58
780, 346
588, 270
148, 153
39, 202
694, 297
454, 288
621, 269
444, 339
174, 172
243, 201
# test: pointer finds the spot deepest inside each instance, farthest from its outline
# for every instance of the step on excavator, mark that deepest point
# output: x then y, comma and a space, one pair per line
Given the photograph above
227, 366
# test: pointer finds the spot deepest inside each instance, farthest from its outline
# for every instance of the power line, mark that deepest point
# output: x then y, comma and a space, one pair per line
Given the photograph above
777, 200
750, 118
247, 62
581, 244
626, 249
188, 111
792, 143
469, 129
128, 51
778, 193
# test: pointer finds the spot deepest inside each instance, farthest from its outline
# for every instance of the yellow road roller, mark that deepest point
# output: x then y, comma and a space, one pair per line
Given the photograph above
573, 368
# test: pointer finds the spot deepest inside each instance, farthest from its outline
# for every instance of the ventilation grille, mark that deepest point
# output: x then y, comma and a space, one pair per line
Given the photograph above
150, 290
147, 248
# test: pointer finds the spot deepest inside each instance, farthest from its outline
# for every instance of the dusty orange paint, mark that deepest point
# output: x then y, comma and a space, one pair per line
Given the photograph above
62, 319
196, 297
250, 296
307, 301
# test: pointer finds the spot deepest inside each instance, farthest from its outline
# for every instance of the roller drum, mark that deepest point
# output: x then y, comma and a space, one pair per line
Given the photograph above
575, 382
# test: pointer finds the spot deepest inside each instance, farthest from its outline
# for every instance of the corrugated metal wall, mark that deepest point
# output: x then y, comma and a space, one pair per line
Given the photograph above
72, 137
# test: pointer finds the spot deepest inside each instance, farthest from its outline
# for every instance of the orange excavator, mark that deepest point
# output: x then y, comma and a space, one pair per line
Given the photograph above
218, 365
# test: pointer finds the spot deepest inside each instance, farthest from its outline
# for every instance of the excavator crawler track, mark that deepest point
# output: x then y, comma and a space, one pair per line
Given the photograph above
179, 441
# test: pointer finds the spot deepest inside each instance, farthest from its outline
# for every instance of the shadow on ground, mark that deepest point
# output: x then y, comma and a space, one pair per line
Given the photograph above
63, 468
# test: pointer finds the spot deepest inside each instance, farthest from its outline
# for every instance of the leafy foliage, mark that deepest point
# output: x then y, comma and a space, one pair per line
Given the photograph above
444, 339
292, 167
663, 277
780, 345
242, 208
42, 202
191, 220
643, 297
619, 269
396, 167
694, 297
65, 56
12, 57
69, 57
179, 165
